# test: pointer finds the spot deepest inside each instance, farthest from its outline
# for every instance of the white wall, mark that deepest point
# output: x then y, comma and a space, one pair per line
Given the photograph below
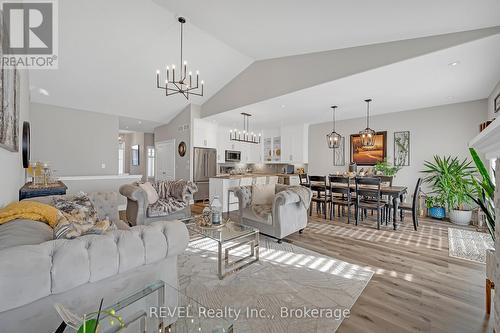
491, 102
440, 130
74, 142
11, 169
178, 129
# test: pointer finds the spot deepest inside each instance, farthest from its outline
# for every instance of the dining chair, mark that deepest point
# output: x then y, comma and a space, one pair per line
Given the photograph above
340, 195
413, 207
386, 181
368, 196
320, 194
304, 181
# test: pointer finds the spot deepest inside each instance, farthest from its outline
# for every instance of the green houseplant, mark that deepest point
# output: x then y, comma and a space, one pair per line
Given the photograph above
386, 168
485, 192
451, 180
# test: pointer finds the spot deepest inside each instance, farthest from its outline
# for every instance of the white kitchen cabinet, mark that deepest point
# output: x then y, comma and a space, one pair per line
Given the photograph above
204, 134
294, 143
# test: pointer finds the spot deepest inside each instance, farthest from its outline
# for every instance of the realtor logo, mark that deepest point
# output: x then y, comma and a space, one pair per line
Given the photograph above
30, 34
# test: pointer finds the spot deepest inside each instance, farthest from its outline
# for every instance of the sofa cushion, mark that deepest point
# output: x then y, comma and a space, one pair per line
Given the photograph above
165, 206
150, 192
24, 232
262, 194
261, 213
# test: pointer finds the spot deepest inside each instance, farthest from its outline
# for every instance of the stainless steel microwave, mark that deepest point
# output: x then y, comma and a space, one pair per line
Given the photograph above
233, 156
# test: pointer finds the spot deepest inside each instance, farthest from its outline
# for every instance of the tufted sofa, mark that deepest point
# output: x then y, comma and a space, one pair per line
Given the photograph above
38, 271
286, 216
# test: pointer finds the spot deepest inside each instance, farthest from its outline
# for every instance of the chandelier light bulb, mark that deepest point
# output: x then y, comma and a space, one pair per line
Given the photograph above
202, 82
190, 73
173, 66
185, 62
157, 71
197, 72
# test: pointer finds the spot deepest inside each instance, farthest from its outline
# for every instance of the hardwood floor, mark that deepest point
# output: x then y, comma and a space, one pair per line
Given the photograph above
416, 287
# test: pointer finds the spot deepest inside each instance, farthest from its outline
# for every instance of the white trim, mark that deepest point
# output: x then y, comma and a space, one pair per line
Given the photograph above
107, 177
488, 141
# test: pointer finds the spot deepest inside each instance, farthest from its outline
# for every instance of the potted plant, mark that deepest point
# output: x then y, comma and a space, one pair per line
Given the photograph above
451, 179
485, 192
435, 207
386, 169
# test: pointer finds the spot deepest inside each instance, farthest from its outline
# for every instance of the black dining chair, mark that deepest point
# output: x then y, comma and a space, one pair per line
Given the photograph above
303, 179
368, 196
320, 194
386, 181
340, 195
413, 207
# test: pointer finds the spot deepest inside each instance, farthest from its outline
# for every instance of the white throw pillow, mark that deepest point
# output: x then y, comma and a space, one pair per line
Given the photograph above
262, 194
150, 192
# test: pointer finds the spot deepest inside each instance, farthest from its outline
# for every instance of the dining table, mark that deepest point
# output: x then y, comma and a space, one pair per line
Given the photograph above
396, 193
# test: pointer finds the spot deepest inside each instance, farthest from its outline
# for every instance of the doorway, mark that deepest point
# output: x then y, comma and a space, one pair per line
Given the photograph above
165, 160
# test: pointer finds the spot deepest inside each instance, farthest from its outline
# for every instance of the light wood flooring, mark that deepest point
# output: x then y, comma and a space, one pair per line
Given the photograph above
416, 287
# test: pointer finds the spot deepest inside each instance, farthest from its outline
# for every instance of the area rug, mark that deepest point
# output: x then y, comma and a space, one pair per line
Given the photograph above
280, 293
469, 245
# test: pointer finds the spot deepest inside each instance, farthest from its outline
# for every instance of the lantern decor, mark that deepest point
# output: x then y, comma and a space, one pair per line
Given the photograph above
367, 135
333, 139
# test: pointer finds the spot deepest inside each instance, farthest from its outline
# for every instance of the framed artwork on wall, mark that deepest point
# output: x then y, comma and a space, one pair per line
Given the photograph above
369, 156
339, 154
402, 148
135, 155
497, 103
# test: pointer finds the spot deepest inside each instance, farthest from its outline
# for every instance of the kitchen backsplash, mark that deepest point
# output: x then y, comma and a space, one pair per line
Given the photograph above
256, 168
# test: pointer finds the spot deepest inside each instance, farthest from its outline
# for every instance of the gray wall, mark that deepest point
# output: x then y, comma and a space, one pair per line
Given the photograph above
491, 102
144, 140
441, 130
74, 142
11, 169
179, 129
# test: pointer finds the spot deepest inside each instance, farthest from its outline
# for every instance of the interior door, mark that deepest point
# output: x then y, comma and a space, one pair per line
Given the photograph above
165, 160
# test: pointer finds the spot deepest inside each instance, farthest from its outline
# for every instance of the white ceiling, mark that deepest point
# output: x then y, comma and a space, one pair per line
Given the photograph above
137, 125
109, 52
267, 29
416, 83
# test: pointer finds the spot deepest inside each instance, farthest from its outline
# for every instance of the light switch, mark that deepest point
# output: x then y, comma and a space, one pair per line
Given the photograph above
103, 166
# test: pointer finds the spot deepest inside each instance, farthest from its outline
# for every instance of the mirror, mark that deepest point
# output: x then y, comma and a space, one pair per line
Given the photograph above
181, 149
26, 145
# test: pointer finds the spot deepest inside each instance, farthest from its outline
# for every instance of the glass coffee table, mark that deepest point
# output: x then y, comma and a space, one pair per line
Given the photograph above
148, 311
230, 236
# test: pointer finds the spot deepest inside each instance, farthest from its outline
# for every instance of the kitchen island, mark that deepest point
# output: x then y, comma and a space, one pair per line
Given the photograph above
223, 185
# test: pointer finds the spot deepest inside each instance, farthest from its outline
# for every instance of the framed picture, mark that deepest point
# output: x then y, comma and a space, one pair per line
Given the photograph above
9, 108
497, 103
372, 155
402, 148
339, 153
135, 155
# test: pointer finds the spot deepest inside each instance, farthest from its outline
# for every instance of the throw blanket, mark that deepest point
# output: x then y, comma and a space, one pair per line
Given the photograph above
30, 210
180, 189
303, 192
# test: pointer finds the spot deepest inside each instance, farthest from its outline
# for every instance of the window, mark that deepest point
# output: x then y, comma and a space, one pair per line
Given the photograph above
121, 154
151, 162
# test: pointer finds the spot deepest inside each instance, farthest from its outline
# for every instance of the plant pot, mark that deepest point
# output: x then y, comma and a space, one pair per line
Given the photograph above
460, 217
437, 212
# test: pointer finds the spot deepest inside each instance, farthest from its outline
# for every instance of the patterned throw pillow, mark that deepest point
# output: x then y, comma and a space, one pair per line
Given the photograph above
77, 217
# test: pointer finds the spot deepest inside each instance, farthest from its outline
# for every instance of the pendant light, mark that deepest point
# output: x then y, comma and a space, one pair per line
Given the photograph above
367, 135
333, 139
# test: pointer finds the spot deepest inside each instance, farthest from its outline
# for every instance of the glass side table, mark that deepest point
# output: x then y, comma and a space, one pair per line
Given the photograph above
147, 310
230, 236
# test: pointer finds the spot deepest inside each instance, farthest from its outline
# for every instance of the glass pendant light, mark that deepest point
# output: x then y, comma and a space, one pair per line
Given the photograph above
333, 139
367, 135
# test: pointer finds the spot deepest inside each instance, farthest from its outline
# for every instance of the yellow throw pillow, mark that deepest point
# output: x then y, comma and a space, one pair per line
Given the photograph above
29, 210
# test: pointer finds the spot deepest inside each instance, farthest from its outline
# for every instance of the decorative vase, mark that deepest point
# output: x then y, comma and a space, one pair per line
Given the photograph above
460, 217
437, 212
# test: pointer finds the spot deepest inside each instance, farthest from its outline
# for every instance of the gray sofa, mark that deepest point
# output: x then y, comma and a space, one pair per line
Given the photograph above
286, 216
176, 199
37, 271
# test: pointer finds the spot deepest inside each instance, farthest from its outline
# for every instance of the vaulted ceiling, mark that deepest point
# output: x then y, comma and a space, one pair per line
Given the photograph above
110, 50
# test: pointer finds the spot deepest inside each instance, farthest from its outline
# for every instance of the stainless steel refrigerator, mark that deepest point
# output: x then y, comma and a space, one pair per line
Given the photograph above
205, 166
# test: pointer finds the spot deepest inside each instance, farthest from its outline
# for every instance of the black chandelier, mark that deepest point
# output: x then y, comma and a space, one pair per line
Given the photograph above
333, 139
245, 135
183, 85
367, 135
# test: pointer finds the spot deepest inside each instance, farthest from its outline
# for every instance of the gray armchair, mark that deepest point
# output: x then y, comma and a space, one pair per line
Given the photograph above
286, 215
174, 203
